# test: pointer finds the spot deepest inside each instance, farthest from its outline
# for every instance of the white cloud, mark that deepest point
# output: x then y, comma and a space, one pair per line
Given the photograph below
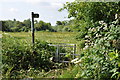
52, 1
32, 1
57, 4
13, 10
37, 1
21, 9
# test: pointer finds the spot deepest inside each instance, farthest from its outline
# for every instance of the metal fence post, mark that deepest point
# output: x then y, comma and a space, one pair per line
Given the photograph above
57, 54
74, 51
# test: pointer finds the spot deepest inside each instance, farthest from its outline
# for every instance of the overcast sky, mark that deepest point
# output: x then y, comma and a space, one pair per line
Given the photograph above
21, 10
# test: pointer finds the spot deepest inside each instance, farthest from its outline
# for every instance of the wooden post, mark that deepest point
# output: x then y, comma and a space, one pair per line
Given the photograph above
32, 25
32, 28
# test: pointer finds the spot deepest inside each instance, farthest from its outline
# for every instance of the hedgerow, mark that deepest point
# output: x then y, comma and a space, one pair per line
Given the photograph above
100, 53
20, 55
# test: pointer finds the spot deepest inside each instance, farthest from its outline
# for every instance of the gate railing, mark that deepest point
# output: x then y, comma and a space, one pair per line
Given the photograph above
58, 51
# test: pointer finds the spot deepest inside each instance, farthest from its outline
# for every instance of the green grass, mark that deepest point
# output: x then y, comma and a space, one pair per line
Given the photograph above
50, 37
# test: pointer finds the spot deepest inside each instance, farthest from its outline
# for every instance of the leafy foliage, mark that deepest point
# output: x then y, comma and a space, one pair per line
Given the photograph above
86, 14
100, 54
43, 26
92, 12
66, 26
100, 57
18, 55
99, 36
17, 26
105, 35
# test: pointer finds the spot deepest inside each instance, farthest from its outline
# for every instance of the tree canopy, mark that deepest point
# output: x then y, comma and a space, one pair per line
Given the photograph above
90, 12
17, 26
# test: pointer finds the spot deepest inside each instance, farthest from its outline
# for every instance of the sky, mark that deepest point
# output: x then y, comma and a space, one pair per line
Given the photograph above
21, 10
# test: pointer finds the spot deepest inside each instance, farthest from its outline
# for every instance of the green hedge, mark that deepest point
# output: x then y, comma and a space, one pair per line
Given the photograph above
21, 55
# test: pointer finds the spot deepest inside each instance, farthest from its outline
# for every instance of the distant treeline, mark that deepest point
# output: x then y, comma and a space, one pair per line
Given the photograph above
25, 26
84, 16
18, 26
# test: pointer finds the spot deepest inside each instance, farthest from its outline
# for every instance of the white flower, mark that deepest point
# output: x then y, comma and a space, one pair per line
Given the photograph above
86, 43
116, 16
85, 47
105, 38
100, 35
89, 29
51, 58
105, 28
101, 22
92, 43
92, 29
95, 44
97, 35
86, 36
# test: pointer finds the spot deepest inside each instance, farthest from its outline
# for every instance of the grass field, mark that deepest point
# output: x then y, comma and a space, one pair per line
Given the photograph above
50, 37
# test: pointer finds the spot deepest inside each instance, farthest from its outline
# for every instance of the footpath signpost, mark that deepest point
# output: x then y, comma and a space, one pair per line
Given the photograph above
32, 25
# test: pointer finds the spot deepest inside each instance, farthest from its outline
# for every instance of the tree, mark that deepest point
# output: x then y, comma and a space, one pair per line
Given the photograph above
17, 26
59, 23
41, 25
90, 12
5, 26
27, 24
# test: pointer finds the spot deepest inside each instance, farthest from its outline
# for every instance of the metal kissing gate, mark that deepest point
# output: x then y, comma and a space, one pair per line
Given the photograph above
61, 52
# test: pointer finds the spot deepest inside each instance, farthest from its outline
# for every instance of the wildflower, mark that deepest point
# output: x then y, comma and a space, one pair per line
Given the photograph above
86, 36
51, 58
116, 16
97, 35
101, 22
85, 47
105, 28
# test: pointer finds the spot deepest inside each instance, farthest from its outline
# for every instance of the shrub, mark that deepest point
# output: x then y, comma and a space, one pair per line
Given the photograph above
17, 55
101, 59
96, 64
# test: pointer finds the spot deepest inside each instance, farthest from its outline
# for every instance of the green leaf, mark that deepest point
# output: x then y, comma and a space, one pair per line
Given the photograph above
116, 73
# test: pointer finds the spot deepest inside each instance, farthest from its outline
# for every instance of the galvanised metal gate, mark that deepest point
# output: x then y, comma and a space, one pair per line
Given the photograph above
58, 53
